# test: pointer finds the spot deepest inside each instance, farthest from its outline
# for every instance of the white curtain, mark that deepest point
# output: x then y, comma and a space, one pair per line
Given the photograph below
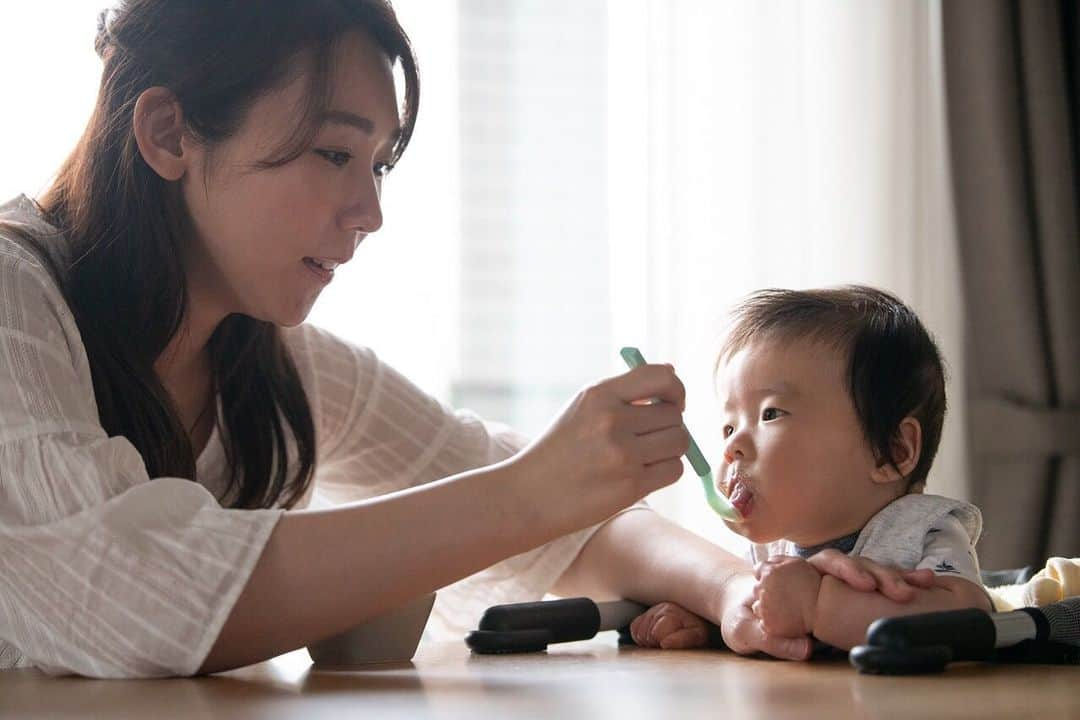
791, 143
51, 75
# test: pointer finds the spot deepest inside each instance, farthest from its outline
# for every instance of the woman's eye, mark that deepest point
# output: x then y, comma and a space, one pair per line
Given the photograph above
771, 414
382, 169
338, 157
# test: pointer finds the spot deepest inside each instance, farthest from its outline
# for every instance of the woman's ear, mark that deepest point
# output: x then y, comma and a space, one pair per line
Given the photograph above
158, 124
906, 450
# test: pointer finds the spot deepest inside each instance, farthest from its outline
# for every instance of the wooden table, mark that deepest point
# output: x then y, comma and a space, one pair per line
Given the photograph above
593, 679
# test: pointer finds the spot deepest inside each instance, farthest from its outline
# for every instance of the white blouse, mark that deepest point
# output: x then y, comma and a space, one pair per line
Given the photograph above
105, 571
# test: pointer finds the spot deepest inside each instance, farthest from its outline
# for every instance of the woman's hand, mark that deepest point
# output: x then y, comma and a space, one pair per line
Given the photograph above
607, 450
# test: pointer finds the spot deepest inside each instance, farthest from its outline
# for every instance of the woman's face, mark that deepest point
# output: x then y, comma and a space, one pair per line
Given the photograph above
262, 234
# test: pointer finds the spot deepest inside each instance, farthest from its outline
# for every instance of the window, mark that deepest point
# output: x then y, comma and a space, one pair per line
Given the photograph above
589, 174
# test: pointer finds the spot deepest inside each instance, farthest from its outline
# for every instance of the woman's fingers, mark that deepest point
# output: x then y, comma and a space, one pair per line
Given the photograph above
661, 474
643, 419
648, 382
602, 454
660, 451
663, 445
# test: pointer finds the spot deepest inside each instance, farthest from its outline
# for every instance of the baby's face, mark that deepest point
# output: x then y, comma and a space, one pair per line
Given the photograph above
796, 462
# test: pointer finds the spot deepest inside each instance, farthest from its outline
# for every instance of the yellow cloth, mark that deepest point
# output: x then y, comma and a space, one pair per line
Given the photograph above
1058, 580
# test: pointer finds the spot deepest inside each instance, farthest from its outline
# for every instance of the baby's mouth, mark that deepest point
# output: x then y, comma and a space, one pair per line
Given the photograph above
740, 492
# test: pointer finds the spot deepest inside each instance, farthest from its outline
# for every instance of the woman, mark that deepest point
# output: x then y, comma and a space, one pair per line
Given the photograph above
151, 321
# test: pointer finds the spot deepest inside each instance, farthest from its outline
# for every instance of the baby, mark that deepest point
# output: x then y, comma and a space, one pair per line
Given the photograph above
833, 402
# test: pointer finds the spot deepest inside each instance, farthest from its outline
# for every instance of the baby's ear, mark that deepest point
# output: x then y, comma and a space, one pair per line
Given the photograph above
905, 450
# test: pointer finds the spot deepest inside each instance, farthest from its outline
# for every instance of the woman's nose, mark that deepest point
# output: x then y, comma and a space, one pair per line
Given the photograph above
363, 215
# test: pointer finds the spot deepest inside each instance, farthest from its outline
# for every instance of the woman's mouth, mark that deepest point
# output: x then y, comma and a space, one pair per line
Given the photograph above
321, 267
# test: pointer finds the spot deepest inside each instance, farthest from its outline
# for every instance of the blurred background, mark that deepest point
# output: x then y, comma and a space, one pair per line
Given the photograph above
588, 174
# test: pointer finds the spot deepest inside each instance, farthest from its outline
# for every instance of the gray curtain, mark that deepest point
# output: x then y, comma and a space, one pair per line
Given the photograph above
1011, 70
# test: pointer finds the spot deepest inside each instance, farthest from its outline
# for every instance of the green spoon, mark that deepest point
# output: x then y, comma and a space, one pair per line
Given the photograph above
717, 502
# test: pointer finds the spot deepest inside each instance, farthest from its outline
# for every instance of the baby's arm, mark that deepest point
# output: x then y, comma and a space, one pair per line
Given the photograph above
842, 619
843, 615
792, 599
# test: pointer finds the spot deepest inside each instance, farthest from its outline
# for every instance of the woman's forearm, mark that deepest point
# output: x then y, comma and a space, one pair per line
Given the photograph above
323, 571
642, 556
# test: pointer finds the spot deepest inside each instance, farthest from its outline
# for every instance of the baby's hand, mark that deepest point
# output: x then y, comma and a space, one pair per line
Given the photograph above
785, 597
670, 627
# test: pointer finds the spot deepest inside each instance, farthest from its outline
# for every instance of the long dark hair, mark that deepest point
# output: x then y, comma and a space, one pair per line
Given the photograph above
125, 225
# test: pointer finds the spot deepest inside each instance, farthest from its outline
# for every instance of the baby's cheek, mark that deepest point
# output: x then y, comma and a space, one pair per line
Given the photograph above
815, 508
798, 491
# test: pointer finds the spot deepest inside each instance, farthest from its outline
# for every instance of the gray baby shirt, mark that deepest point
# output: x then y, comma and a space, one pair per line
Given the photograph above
912, 532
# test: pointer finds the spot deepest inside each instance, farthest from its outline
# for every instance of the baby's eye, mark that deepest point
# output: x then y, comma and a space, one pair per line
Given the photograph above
728, 430
771, 414
338, 158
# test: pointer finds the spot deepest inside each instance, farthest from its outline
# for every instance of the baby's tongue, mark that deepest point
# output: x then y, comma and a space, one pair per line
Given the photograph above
742, 498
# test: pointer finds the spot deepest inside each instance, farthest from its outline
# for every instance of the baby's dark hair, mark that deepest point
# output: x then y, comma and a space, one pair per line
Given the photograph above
894, 369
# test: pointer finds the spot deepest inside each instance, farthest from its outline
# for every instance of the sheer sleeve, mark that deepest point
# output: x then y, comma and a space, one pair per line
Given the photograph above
382, 433
103, 571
